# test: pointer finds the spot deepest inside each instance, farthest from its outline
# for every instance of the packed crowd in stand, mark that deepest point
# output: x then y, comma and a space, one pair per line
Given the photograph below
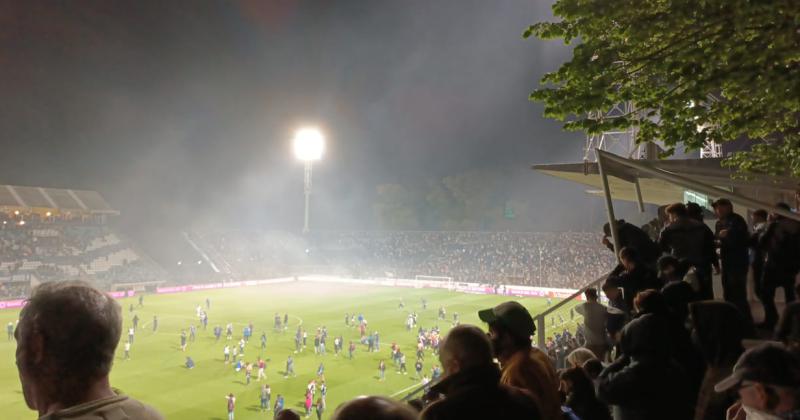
564, 259
35, 250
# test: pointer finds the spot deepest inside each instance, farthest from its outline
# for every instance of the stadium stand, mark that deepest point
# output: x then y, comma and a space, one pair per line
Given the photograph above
49, 234
564, 259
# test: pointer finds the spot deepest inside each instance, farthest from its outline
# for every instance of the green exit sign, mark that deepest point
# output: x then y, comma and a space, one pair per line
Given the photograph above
690, 196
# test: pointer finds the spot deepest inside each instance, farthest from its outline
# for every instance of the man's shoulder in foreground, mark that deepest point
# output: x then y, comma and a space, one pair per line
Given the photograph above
118, 407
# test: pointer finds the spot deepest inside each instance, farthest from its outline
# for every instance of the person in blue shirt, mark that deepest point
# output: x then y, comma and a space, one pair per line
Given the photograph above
189, 363
278, 404
320, 369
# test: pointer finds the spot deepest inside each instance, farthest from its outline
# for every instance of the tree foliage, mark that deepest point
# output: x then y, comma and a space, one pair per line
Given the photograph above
696, 70
471, 200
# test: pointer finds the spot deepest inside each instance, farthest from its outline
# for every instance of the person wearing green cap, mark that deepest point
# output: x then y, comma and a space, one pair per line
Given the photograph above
523, 366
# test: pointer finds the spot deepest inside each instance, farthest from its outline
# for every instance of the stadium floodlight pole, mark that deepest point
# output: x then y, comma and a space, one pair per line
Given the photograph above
309, 143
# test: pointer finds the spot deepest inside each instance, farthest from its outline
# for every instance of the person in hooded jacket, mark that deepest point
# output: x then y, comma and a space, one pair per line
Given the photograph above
679, 343
717, 332
580, 395
677, 292
644, 383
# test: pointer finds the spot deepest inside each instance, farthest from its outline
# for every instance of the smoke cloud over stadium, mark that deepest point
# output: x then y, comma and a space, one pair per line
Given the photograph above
181, 113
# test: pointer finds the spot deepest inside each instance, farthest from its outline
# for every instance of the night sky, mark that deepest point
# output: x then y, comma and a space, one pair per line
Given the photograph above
181, 112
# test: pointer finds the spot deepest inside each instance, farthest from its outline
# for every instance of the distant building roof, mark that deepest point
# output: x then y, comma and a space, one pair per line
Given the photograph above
14, 197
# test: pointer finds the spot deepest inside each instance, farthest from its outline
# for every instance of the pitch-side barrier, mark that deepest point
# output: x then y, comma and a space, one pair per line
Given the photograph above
18, 303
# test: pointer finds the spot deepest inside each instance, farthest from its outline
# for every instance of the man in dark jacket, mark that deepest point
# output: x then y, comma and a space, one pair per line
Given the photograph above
633, 275
781, 244
692, 242
471, 386
633, 237
733, 239
759, 224
644, 383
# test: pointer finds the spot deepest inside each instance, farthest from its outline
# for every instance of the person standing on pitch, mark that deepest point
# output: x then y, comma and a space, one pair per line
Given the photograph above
266, 395
183, 340
279, 404
289, 367
320, 407
231, 403
381, 370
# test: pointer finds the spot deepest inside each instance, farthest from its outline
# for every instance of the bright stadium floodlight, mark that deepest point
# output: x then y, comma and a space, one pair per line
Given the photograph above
309, 143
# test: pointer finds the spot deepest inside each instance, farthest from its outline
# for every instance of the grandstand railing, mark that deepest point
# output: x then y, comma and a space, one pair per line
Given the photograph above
541, 319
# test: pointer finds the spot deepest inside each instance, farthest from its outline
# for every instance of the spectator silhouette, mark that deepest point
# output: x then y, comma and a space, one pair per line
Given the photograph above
66, 338
733, 237
691, 241
373, 408
510, 330
767, 379
644, 383
580, 395
781, 245
633, 237
717, 332
788, 329
471, 382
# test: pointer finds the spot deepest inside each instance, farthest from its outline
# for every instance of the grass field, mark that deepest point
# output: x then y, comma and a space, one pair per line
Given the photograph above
155, 372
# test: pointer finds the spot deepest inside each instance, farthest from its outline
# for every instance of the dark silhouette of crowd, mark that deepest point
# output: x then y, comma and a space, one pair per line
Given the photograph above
561, 260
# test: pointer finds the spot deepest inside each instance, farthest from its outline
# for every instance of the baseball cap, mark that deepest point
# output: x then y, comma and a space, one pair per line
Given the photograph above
721, 202
511, 315
769, 364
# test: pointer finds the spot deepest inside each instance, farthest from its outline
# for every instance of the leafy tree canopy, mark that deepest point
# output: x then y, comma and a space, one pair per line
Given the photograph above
696, 70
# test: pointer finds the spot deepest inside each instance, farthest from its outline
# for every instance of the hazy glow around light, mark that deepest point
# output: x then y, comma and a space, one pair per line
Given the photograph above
308, 144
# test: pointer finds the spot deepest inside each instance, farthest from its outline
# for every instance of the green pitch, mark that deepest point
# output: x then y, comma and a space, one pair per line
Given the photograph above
155, 373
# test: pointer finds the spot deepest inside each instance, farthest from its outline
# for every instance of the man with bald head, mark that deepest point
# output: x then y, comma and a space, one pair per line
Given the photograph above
471, 387
373, 408
66, 338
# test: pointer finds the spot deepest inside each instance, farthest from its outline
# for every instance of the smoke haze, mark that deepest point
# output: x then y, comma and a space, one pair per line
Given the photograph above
180, 113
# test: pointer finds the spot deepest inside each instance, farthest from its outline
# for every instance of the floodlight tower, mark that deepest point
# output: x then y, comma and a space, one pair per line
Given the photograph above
309, 143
